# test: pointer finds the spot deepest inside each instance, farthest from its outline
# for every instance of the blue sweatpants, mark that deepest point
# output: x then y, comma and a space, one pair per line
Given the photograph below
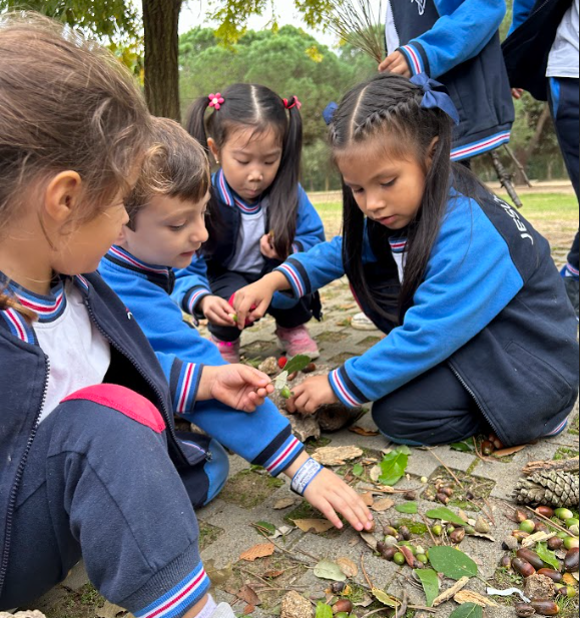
99, 484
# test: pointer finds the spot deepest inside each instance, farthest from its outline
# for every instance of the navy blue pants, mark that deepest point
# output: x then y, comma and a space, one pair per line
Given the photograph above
432, 409
99, 484
224, 286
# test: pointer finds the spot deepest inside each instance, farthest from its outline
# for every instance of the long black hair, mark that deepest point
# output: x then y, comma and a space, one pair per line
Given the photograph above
257, 107
388, 107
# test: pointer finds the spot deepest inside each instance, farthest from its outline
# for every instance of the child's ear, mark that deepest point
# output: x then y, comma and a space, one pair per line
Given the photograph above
62, 196
213, 147
432, 150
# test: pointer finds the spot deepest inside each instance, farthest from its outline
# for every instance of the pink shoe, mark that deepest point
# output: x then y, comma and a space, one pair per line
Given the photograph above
296, 341
230, 351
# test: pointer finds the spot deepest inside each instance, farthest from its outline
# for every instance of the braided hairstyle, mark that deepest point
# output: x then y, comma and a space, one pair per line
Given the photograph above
259, 108
388, 108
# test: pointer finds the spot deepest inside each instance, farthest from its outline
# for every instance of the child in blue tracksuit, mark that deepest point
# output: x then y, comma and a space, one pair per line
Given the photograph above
457, 43
91, 465
259, 214
480, 333
166, 229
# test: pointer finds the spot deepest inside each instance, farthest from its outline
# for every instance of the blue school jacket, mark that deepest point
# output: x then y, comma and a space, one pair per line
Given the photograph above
193, 283
492, 306
457, 43
264, 437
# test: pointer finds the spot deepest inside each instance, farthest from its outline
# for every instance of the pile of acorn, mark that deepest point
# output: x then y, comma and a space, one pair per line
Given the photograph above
528, 563
397, 547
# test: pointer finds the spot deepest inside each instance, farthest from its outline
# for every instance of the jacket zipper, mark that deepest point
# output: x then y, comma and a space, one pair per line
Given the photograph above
18, 479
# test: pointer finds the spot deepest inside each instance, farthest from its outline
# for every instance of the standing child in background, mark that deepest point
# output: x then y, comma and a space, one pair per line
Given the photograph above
90, 462
260, 214
480, 332
166, 228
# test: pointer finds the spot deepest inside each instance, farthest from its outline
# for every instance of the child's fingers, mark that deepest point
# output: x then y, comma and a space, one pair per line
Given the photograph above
325, 507
260, 311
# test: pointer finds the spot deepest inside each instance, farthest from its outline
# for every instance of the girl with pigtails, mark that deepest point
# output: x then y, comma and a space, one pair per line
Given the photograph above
260, 215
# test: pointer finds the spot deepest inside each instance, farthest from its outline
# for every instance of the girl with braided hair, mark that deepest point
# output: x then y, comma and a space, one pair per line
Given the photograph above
260, 214
479, 333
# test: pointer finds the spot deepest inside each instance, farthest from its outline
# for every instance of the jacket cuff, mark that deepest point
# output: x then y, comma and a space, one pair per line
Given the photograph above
416, 58
345, 389
281, 454
296, 275
185, 378
193, 298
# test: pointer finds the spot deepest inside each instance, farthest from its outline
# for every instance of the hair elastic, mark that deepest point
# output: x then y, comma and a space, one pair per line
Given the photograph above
216, 101
290, 103
435, 96
307, 473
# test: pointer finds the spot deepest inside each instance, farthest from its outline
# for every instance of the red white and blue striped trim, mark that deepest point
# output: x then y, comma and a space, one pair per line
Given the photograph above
227, 196
47, 308
126, 258
194, 298
342, 391
572, 270
180, 598
398, 245
294, 278
561, 427
414, 59
81, 282
187, 387
285, 456
484, 145
19, 326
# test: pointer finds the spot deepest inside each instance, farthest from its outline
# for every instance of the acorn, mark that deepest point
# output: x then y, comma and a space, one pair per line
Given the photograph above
555, 576
447, 491
498, 444
524, 568
546, 511
524, 610
457, 536
545, 607
405, 532
506, 562
423, 559
564, 514
444, 499
311, 368
571, 562
520, 535
343, 606
390, 531
520, 516
338, 587
437, 530
541, 527
572, 522
571, 543
568, 592
575, 530
555, 543
410, 496
487, 448
391, 541
532, 557
528, 526
286, 393
387, 551
399, 559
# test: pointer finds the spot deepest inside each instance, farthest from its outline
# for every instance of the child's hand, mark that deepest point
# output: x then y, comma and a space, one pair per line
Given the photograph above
217, 310
237, 386
396, 63
252, 302
311, 395
267, 248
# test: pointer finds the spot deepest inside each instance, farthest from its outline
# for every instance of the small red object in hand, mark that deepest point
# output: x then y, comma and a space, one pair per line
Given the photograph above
282, 362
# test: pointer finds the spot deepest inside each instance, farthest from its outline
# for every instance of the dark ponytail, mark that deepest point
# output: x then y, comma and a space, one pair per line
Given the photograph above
388, 107
257, 107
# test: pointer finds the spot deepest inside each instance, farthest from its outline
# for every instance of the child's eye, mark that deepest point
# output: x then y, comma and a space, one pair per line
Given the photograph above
270, 163
357, 191
242, 162
176, 228
389, 184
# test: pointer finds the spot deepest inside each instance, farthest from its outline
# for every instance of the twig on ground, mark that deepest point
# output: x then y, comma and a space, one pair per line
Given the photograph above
454, 476
364, 572
429, 530
567, 465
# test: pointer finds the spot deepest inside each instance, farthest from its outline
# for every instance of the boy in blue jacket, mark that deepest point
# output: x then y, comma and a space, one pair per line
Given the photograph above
166, 229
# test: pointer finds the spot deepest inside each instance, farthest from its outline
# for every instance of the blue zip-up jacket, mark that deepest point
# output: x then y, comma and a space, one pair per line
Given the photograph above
263, 437
24, 372
492, 305
457, 43
193, 283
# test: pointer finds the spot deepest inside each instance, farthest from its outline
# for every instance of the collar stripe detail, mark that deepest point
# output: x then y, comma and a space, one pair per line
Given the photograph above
481, 146
127, 258
398, 245
18, 326
228, 197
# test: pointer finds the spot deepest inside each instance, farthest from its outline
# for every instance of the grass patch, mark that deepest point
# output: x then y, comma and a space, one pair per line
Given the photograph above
504, 579
331, 337
476, 488
208, 534
249, 488
575, 427
82, 603
565, 453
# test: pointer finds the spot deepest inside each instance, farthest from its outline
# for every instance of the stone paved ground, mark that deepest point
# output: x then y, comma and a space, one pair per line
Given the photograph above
250, 497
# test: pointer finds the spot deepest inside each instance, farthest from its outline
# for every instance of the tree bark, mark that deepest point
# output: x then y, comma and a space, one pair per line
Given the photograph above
161, 21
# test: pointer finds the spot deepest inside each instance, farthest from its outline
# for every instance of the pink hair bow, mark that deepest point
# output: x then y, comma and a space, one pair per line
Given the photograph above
216, 100
294, 102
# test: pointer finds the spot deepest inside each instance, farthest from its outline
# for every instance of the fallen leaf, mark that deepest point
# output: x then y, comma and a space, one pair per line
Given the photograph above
110, 611
249, 595
539, 537
326, 569
273, 574
449, 594
368, 499
284, 504
383, 505
375, 474
469, 610
259, 551
361, 431
466, 596
385, 599
218, 577
487, 537
348, 567
506, 452
370, 540
318, 526
249, 609
569, 579
337, 456
407, 508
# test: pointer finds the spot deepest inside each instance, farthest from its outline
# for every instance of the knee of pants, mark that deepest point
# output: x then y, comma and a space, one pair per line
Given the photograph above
225, 333
217, 470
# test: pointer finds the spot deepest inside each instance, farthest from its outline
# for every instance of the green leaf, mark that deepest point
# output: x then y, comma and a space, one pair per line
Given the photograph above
408, 508
445, 514
462, 447
298, 363
549, 557
281, 381
266, 527
323, 611
431, 584
469, 610
452, 563
385, 599
358, 470
326, 569
394, 466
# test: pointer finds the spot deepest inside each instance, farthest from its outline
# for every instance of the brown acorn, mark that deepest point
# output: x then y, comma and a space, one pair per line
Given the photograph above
405, 532
555, 576
292, 376
487, 448
443, 498
343, 606
525, 569
457, 536
448, 492
521, 516
410, 496
520, 536
571, 562
555, 543
546, 511
532, 557
506, 562
388, 553
523, 610
545, 607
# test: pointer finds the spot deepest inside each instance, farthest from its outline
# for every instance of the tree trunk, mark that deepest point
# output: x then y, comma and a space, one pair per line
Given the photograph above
161, 21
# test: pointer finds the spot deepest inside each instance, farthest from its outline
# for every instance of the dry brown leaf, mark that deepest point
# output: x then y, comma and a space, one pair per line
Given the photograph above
569, 579
466, 596
449, 594
506, 452
361, 431
370, 540
249, 609
348, 567
259, 551
539, 537
383, 505
273, 574
368, 499
337, 456
249, 595
375, 474
317, 526
284, 504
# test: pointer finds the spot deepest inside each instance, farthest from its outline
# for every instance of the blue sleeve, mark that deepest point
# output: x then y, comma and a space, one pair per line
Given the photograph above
309, 227
455, 37
470, 279
522, 10
191, 285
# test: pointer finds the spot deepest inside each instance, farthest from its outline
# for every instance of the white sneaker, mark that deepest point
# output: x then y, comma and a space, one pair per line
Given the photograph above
223, 610
361, 322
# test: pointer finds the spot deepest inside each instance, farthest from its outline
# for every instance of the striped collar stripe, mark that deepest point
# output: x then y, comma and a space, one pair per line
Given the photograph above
19, 326
126, 258
228, 197
47, 308
398, 245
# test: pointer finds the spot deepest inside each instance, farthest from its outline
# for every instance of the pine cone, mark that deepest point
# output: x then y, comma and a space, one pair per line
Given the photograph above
549, 488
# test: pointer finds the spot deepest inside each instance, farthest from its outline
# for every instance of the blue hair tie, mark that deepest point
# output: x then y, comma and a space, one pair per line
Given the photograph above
436, 96
328, 113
